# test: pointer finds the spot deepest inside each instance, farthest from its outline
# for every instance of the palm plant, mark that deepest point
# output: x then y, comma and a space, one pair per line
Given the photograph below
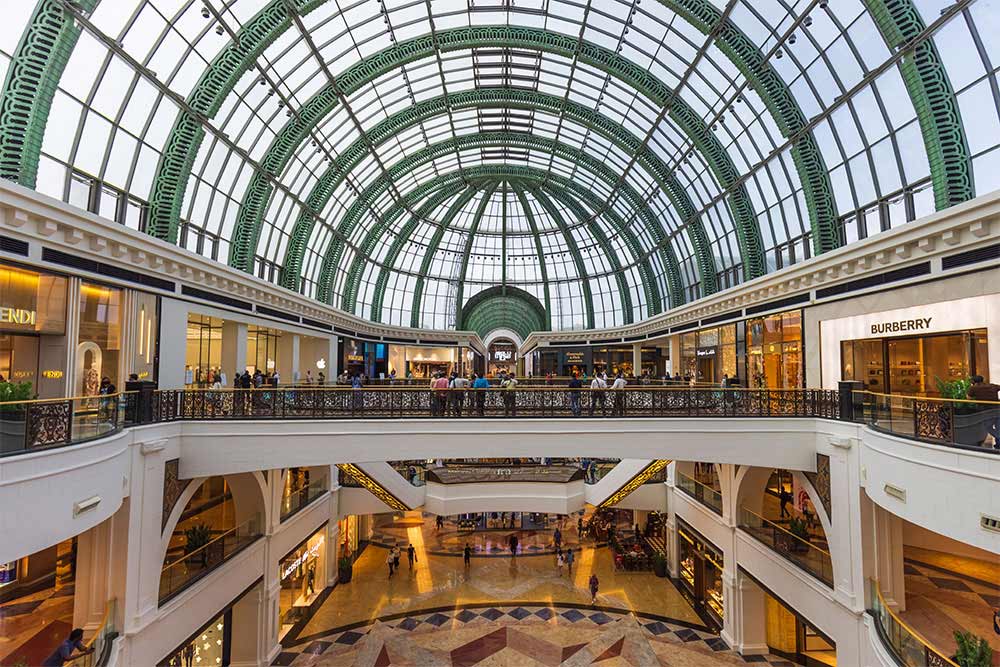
973, 651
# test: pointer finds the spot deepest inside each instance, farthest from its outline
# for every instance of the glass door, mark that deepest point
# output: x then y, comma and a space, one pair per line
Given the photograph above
906, 366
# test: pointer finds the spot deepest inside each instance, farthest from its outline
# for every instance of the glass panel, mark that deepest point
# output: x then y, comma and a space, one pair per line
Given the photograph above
99, 342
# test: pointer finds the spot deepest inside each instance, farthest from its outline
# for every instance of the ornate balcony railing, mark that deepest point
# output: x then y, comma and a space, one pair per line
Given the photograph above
973, 425
907, 645
703, 493
408, 402
27, 426
801, 552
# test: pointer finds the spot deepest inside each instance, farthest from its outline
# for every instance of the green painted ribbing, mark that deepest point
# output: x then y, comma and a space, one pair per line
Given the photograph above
504, 307
374, 236
250, 216
405, 165
35, 69
574, 251
540, 251
933, 97
780, 102
206, 98
382, 281
602, 241
483, 203
699, 239
748, 230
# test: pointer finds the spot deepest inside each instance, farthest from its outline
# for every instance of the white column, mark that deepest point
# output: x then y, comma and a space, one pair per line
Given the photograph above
637, 359
889, 558
670, 525
234, 348
93, 564
287, 362
254, 627
745, 622
332, 359
173, 344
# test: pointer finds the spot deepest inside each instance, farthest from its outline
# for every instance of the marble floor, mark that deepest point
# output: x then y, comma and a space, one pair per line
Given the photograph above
31, 626
945, 593
500, 611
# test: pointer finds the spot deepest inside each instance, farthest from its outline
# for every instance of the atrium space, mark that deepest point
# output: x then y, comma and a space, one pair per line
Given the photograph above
499, 333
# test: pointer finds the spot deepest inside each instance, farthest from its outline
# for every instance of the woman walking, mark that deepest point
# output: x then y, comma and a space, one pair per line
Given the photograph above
594, 586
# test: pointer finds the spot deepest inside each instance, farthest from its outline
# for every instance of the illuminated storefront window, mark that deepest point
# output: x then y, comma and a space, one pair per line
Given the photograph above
774, 351
32, 325
262, 349
709, 354
203, 355
146, 319
99, 343
303, 576
700, 567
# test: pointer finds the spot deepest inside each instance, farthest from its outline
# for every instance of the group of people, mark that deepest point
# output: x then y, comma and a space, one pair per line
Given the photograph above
394, 555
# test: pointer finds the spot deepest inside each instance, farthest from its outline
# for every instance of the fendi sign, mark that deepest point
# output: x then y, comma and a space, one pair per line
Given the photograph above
918, 324
22, 316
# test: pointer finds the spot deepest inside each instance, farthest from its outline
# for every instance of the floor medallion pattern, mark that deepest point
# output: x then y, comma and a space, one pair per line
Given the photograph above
518, 636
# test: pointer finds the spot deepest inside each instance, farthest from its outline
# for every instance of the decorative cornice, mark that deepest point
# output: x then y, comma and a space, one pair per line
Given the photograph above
42, 220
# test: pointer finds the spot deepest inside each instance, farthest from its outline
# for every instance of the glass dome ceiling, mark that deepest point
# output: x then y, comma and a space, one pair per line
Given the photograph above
610, 158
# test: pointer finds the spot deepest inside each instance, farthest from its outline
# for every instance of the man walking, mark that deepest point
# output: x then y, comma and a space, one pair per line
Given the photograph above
557, 538
569, 560
390, 561
467, 556
411, 555
512, 543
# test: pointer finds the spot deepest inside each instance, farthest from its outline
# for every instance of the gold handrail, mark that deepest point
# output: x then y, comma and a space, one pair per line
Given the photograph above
787, 532
69, 398
210, 543
927, 398
916, 635
702, 484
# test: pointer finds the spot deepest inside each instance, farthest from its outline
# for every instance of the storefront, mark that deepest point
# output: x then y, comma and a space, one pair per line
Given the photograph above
262, 349
99, 344
49, 570
700, 568
774, 351
791, 636
501, 357
349, 531
708, 355
302, 573
33, 330
212, 645
421, 362
203, 356
912, 351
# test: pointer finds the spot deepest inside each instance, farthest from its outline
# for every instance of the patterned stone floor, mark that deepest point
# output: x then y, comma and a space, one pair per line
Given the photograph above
32, 625
528, 635
939, 600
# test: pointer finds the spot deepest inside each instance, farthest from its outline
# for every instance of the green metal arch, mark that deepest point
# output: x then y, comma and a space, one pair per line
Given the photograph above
780, 102
934, 100
352, 284
236, 59
747, 227
467, 251
503, 306
380, 185
397, 246
526, 174
250, 216
35, 69
602, 241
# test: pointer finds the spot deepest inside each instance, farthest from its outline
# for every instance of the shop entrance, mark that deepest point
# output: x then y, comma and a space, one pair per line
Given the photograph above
701, 573
915, 366
793, 637
706, 369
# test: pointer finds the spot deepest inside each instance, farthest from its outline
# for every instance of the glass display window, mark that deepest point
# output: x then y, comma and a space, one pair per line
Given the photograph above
262, 349
146, 317
774, 351
700, 567
302, 573
99, 342
203, 354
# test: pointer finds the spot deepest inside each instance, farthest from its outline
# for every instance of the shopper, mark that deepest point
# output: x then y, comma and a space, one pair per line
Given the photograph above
579, 528
557, 538
457, 386
569, 560
597, 388
560, 561
467, 555
784, 497
391, 562
618, 390
411, 555
512, 543
509, 387
594, 585
480, 386
439, 522
441, 394
574, 394
64, 652
396, 555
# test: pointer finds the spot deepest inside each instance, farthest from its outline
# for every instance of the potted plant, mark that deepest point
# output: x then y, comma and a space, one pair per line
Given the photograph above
12, 416
973, 651
660, 564
970, 422
195, 538
797, 527
345, 569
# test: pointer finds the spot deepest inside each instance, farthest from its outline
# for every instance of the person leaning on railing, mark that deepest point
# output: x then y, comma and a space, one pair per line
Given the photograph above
480, 386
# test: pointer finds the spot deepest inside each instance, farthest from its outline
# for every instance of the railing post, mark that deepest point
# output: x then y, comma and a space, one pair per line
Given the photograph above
849, 400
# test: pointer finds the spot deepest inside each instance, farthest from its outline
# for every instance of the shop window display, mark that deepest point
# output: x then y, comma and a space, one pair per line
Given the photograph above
915, 365
209, 647
303, 576
262, 349
774, 351
710, 354
203, 355
32, 324
99, 343
700, 567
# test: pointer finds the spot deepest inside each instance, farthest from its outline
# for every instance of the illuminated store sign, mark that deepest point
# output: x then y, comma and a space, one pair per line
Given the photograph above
55, 375
309, 554
21, 316
705, 352
918, 324
503, 355
574, 357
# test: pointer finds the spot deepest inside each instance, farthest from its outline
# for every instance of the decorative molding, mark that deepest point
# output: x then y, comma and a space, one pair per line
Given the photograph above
821, 482
173, 488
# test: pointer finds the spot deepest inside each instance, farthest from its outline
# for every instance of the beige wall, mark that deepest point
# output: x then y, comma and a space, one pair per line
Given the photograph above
975, 284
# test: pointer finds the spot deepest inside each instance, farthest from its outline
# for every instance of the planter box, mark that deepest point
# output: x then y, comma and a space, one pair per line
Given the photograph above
971, 428
12, 432
344, 575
